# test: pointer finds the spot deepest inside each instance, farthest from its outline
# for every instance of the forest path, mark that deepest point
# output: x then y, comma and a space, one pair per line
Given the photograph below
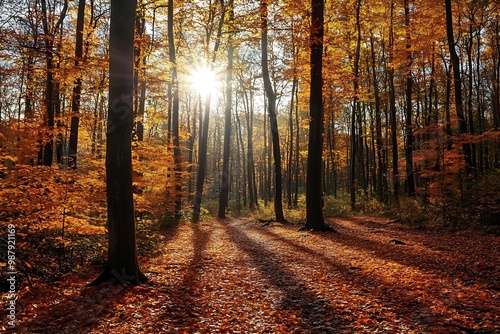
239, 276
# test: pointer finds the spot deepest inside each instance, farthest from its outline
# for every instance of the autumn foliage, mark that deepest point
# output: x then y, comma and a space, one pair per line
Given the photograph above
405, 168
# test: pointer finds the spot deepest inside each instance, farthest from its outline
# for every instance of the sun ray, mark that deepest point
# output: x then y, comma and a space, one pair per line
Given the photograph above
203, 80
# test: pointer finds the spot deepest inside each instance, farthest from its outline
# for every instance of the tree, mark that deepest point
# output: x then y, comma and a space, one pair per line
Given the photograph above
457, 82
392, 109
355, 140
202, 152
224, 190
271, 103
175, 111
77, 88
50, 30
410, 177
122, 264
314, 193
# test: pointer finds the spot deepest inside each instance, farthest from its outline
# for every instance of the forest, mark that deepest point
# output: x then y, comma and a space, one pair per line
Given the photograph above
226, 166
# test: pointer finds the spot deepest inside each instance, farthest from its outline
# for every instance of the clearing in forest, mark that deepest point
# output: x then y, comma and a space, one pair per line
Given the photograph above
241, 276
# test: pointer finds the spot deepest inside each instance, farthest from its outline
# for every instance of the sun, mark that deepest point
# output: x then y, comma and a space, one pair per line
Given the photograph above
203, 80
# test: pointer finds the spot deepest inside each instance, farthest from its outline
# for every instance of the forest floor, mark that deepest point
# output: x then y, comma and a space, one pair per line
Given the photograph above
242, 276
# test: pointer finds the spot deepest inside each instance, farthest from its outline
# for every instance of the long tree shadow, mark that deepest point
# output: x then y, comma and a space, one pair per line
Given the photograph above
185, 309
446, 264
298, 298
376, 288
80, 312
86, 308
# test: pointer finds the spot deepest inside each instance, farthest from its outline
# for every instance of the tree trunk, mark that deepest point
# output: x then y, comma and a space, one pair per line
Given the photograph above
252, 199
49, 30
297, 149
470, 114
202, 150
139, 73
314, 192
392, 111
243, 158
77, 88
410, 177
382, 166
224, 190
354, 114
291, 147
202, 161
122, 264
457, 81
175, 112
271, 100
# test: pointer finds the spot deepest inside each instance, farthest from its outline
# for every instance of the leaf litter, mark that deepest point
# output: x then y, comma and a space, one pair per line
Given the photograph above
238, 276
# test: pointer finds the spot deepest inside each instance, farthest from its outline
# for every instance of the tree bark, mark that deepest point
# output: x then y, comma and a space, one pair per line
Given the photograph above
202, 151
410, 176
175, 112
314, 192
77, 88
392, 111
50, 29
224, 190
122, 264
271, 100
382, 165
354, 114
457, 82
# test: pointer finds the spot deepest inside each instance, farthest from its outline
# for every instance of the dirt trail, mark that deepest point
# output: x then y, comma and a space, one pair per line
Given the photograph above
238, 276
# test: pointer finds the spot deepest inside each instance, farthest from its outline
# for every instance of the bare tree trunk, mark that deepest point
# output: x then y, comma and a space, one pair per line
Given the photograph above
139, 74
77, 88
392, 111
252, 199
314, 192
50, 30
202, 150
462, 124
271, 100
297, 150
202, 161
291, 143
382, 166
122, 264
410, 177
355, 111
192, 138
243, 158
175, 112
224, 190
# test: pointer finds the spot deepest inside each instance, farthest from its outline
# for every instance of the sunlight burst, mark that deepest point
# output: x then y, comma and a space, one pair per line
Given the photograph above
204, 81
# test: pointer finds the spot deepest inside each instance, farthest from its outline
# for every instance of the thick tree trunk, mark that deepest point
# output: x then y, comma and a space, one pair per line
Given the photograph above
122, 264
314, 192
